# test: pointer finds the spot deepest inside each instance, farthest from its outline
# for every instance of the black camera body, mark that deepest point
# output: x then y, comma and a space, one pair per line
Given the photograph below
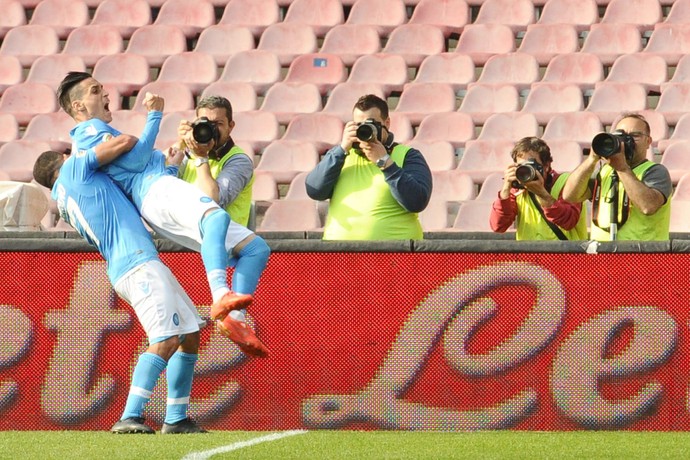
607, 144
367, 131
205, 131
527, 171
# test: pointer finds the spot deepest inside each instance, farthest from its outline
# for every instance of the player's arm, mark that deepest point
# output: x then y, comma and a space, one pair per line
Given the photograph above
140, 155
111, 149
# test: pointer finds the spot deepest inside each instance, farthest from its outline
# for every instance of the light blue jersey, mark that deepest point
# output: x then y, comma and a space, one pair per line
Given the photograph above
90, 202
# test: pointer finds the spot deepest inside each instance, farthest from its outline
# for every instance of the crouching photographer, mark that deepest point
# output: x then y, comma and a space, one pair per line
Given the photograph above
531, 198
630, 194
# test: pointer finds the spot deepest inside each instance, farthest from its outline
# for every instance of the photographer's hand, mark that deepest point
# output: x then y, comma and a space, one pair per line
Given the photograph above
508, 179
349, 135
185, 133
618, 160
537, 187
373, 150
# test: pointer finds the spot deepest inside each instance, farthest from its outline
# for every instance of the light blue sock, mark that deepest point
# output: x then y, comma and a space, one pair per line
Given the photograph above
214, 227
180, 375
251, 262
146, 372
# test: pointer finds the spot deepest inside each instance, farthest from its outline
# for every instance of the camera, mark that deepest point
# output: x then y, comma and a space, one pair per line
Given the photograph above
205, 131
607, 144
368, 131
527, 171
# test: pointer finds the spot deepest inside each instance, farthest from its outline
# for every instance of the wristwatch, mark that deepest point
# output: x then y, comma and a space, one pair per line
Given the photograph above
200, 161
381, 162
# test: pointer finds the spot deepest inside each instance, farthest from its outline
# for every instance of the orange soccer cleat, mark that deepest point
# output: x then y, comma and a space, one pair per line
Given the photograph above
230, 301
243, 335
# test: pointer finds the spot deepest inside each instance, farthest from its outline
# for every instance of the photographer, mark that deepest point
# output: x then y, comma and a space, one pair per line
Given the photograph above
212, 160
531, 196
630, 194
376, 187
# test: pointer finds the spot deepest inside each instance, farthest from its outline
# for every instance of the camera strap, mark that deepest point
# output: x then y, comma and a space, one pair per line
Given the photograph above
612, 200
559, 233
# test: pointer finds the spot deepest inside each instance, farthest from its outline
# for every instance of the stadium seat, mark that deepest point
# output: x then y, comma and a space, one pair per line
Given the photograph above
679, 12
674, 101
473, 216
256, 15
92, 42
482, 101
259, 68
25, 100
190, 17
488, 190
609, 99
298, 189
481, 41
449, 16
511, 126
63, 16
287, 41
343, 97
414, 42
517, 69
256, 129
51, 69
127, 72
223, 41
194, 68
320, 129
644, 14
286, 100
483, 157
435, 217
454, 127
265, 187
291, 215
670, 41
385, 15
13, 15
126, 15
9, 128
156, 42
320, 15
567, 155
11, 71
29, 42
240, 94
388, 71
285, 159
452, 185
582, 69
132, 121
52, 128
611, 40
681, 132
681, 74
544, 41
401, 127
682, 190
323, 70
680, 216
676, 158
516, 14
646, 69
580, 127
420, 99
439, 154
17, 159
177, 96
547, 99
454, 69
580, 14
350, 41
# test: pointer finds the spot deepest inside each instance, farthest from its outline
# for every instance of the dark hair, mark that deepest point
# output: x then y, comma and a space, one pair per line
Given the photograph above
45, 167
370, 101
637, 116
215, 102
532, 144
65, 93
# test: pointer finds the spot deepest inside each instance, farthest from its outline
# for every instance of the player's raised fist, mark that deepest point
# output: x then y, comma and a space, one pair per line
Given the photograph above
153, 102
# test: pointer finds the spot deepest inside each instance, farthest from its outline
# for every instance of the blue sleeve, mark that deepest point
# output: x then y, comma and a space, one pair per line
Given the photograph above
93, 132
172, 170
321, 181
136, 159
410, 185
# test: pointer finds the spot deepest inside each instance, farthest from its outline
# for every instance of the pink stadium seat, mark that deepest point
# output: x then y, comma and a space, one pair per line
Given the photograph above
439, 155
677, 159
681, 132
671, 41
51, 69
256, 129
610, 40
516, 14
286, 100
350, 41
488, 190
223, 41
473, 216
265, 187
610, 99
644, 14
177, 95
680, 216
127, 72
195, 69
256, 15
9, 128
481, 41
93, 42
482, 101
29, 42
682, 72
13, 15
679, 12
449, 16
11, 71
323, 70
452, 68
17, 159
547, 99
682, 191
287, 41
344, 96
580, 127
515, 125
388, 71
453, 185
285, 159
627, 69
291, 216
674, 101
240, 94
434, 217
517, 69
483, 157
582, 69
298, 189
52, 128
62, 15
320, 129
454, 127
385, 15
581, 14
190, 17
156, 42
131, 121
414, 42
401, 127
320, 15
126, 15
567, 155
420, 99
25, 100
544, 41
259, 68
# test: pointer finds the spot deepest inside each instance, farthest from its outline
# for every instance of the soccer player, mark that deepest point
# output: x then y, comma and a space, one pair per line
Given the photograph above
89, 201
174, 208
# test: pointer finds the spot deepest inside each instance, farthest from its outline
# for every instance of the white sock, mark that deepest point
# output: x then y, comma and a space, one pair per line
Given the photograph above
219, 293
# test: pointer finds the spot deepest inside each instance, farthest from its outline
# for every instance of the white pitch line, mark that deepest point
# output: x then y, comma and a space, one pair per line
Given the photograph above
203, 455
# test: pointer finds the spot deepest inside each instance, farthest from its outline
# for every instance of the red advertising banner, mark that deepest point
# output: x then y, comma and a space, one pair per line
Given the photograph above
408, 341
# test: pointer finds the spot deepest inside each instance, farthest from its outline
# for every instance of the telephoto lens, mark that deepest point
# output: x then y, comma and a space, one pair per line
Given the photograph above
366, 132
204, 131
